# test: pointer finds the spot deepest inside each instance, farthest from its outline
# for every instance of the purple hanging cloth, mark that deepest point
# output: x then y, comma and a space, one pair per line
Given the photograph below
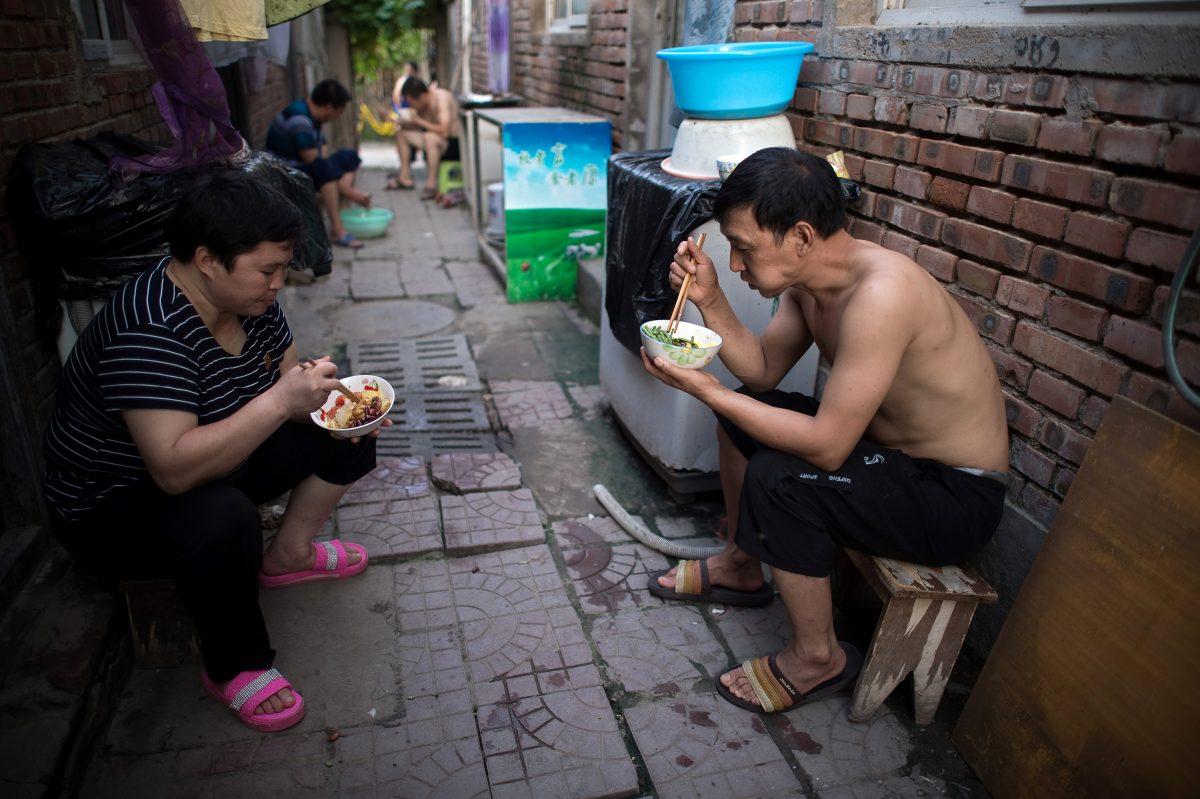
189, 94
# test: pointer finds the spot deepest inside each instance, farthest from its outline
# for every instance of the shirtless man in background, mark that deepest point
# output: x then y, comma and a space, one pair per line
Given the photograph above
432, 128
905, 456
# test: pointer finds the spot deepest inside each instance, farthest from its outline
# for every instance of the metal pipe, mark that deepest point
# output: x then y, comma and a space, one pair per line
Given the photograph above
1168, 328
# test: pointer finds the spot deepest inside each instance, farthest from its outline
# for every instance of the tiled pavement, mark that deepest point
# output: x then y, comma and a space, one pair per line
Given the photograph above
502, 643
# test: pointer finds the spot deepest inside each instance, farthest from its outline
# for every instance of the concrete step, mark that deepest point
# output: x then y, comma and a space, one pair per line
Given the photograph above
590, 288
61, 665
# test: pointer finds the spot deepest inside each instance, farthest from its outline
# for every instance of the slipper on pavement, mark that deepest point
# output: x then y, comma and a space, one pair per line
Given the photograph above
330, 562
775, 692
348, 240
692, 585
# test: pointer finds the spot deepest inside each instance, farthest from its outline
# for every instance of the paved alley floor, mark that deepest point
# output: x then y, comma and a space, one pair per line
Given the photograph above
501, 643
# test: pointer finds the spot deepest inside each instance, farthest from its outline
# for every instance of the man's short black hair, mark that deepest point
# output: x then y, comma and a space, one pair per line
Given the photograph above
230, 213
330, 92
413, 88
416, 67
783, 186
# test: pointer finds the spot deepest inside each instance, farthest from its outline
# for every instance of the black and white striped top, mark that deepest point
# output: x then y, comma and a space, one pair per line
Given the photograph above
148, 348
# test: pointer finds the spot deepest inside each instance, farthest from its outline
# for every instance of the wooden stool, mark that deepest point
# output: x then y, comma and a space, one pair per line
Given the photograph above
926, 614
163, 635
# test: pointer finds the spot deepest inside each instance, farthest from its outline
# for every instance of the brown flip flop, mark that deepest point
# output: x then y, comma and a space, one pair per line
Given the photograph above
692, 585
775, 692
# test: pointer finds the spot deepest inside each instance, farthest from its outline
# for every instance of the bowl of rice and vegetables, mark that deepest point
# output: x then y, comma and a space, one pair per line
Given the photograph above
689, 347
346, 419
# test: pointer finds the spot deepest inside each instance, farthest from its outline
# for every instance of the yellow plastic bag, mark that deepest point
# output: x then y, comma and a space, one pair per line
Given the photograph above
383, 127
838, 161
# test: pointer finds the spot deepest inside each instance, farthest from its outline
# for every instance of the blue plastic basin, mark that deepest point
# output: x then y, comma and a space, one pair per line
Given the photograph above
735, 81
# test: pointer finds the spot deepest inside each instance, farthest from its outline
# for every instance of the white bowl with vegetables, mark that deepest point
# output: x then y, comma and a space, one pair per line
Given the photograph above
346, 419
689, 347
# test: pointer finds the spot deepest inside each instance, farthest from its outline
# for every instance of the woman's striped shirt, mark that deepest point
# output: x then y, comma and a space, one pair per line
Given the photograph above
148, 348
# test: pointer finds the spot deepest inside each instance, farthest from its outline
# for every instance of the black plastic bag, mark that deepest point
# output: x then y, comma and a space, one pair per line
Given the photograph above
313, 249
85, 231
82, 230
649, 213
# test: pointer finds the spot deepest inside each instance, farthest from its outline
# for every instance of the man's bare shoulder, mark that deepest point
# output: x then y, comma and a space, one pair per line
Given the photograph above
890, 291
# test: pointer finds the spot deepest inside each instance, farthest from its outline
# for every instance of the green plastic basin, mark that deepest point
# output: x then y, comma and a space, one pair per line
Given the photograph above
367, 223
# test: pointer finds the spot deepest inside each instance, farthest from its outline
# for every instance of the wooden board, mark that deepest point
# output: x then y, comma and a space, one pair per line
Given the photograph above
1091, 688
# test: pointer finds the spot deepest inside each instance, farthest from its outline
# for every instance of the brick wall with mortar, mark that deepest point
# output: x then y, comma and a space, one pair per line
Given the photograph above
1055, 207
264, 104
585, 70
50, 93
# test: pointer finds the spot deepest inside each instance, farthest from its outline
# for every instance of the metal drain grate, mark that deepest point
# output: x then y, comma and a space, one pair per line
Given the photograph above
399, 444
440, 410
424, 364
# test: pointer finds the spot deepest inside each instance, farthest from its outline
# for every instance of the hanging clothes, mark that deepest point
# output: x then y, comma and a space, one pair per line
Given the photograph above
284, 10
274, 48
227, 20
189, 94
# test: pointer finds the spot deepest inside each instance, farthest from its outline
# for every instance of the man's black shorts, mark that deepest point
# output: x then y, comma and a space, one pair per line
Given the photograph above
795, 516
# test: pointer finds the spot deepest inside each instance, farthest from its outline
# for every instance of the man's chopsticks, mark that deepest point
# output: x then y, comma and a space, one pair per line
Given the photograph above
340, 385
683, 290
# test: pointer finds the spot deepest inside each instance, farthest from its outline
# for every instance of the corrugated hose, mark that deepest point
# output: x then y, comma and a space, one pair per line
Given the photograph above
639, 531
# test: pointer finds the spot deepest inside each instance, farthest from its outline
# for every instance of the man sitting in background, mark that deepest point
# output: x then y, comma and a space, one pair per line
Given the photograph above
433, 128
295, 135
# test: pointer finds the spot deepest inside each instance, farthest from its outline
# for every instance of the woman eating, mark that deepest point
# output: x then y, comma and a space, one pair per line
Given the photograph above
183, 407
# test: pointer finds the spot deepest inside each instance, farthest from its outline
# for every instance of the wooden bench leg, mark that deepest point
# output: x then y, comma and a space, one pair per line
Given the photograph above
932, 671
888, 660
914, 636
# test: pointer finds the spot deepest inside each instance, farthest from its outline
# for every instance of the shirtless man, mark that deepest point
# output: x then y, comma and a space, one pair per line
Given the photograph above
905, 456
433, 128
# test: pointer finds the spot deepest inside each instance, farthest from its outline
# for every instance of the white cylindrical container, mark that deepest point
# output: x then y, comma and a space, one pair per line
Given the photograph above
495, 206
700, 142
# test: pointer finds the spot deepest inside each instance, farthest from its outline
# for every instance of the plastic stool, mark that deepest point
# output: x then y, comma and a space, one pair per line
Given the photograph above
450, 177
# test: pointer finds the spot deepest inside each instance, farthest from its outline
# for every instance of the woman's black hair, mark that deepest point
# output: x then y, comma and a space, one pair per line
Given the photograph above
782, 186
230, 212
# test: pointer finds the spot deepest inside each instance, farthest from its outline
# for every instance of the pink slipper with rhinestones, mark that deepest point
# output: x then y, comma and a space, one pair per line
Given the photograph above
330, 562
250, 689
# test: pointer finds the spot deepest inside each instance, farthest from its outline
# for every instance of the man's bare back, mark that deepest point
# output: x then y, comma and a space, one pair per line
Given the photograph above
944, 402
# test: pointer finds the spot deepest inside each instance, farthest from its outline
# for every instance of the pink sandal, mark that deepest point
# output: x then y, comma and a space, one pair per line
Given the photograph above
250, 689
330, 563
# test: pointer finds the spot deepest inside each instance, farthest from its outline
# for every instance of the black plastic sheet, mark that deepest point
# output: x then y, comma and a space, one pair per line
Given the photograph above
85, 230
649, 213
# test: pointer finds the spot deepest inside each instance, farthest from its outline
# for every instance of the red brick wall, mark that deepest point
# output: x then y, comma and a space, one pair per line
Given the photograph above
265, 103
479, 43
49, 92
1056, 222
585, 71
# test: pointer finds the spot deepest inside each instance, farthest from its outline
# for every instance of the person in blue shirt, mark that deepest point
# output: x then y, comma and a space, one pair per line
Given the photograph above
295, 135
